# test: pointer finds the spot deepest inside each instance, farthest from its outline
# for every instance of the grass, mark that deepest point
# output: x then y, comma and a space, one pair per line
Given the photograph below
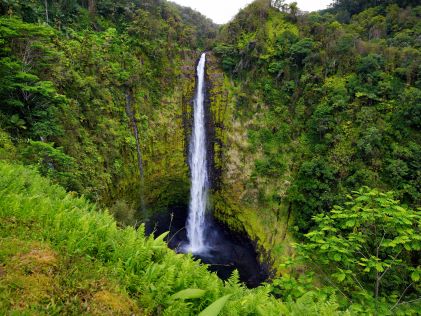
37, 280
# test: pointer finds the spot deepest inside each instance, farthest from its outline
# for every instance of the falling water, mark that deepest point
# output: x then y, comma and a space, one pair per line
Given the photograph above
198, 165
206, 240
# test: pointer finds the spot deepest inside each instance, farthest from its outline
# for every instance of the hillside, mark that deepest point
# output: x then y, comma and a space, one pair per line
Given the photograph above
91, 96
320, 108
60, 254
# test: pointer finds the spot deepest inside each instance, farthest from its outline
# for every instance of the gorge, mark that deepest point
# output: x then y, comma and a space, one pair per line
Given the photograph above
196, 231
138, 173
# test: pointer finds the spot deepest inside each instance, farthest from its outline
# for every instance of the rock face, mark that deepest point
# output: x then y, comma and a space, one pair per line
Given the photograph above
217, 119
166, 152
235, 198
227, 163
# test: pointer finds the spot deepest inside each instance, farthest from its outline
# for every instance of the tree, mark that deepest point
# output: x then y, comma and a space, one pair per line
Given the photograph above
278, 4
53, 162
92, 7
368, 249
301, 49
293, 10
31, 103
313, 191
46, 11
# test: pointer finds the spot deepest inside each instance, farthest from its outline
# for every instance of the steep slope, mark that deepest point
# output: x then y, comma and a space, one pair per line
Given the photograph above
319, 108
61, 255
96, 94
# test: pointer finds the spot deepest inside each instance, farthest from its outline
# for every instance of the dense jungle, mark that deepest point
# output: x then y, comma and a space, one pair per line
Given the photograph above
312, 147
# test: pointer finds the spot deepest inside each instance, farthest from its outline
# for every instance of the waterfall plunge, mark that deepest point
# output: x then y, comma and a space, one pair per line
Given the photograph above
196, 224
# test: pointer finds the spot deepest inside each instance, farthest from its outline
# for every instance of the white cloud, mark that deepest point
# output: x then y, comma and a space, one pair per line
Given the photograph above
221, 11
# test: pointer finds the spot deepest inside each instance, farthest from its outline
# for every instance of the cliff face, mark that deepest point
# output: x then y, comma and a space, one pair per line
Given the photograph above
309, 121
166, 152
99, 92
235, 199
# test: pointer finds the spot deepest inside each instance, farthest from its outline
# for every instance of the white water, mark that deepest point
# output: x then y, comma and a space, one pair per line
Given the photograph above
196, 224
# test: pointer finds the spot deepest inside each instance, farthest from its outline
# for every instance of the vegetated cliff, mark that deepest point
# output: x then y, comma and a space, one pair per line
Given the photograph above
87, 86
317, 108
233, 200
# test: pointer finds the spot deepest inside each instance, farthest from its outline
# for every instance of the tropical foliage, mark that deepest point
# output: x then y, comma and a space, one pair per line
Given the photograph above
60, 254
68, 69
329, 105
314, 143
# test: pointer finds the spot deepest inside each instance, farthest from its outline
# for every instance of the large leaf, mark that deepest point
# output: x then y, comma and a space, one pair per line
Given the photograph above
214, 308
188, 294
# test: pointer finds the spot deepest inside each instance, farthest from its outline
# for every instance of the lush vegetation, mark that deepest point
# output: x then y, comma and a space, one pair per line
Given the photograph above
366, 250
314, 135
329, 103
60, 254
329, 106
78, 77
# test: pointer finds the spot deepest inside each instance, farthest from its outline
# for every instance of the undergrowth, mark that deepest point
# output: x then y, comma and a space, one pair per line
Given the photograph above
59, 254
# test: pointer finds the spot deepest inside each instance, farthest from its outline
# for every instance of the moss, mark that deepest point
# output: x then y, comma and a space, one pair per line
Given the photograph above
235, 197
28, 274
105, 302
228, 213
166, 142
35, 279
273, 242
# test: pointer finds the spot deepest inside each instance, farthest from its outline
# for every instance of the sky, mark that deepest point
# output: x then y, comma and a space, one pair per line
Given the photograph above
221, 11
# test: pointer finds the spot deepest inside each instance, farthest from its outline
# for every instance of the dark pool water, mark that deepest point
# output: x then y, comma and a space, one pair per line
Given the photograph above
228, 250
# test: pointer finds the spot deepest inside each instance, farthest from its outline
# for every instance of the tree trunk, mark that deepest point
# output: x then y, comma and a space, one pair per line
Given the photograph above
46, 11
92, 7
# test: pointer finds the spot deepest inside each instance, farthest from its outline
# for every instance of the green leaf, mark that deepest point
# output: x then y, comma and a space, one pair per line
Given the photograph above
340, 276
415, 276
160, 239
214, 308
379, 267
350, 223
188, 294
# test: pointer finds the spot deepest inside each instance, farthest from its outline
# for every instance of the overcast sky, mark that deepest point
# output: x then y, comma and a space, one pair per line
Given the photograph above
221, 11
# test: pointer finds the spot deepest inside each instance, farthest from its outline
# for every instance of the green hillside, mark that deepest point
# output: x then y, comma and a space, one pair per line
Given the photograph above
323, 108
60, 254
73, 90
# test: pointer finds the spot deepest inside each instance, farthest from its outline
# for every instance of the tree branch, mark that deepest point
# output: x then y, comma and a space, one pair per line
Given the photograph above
388, 268
403, 293
378, 247
331, 282
411, 301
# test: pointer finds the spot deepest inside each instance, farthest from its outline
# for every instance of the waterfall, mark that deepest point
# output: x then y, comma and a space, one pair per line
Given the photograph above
196, 224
